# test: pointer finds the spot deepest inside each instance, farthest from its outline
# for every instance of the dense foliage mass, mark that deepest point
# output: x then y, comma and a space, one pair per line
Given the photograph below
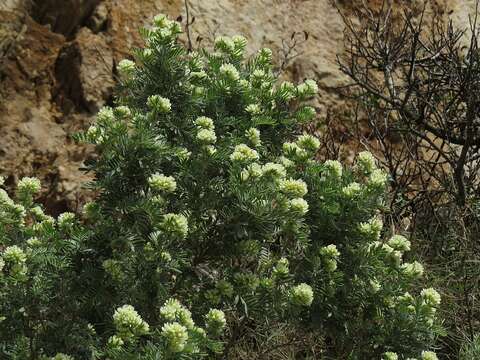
212, 216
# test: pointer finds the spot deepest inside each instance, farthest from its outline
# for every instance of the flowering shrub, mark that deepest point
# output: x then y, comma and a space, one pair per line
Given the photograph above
211, 210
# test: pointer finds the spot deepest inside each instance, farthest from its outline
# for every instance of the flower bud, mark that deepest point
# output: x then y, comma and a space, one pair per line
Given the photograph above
122, 112
366, 162
206, 136
308, 143
276, 171
176, 336
224, 44
105, 115
215, 321
230, 72
293, 188
28, 186
265, 55
431, 297
115, 342
429, 355
175, 224
308, 88
377, 179
302, 295
390, 356
160, 182
298, 206
352, 190
399, 242
204, 122
66, 220
126, 67
159, 103
253, 135
242, 153
128, 323
333, 169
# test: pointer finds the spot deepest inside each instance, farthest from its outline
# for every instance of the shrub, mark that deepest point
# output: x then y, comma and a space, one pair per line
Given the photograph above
211, 209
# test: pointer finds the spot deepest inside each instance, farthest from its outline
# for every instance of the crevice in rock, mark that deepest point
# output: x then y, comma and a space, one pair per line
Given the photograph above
68, 94
63, 16
83, 73
110, 101
55, 207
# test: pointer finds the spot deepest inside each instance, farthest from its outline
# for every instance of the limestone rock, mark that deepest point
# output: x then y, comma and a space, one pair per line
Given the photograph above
99, 18
84, 71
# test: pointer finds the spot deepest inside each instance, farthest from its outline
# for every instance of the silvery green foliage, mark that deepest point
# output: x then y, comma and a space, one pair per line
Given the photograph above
50, 300
211, 210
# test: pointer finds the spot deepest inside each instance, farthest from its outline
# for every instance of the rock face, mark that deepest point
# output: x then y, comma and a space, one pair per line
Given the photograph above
84, 72
64, 16
58, 58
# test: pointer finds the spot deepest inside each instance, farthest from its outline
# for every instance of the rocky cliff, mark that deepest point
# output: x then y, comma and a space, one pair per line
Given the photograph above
58, 66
